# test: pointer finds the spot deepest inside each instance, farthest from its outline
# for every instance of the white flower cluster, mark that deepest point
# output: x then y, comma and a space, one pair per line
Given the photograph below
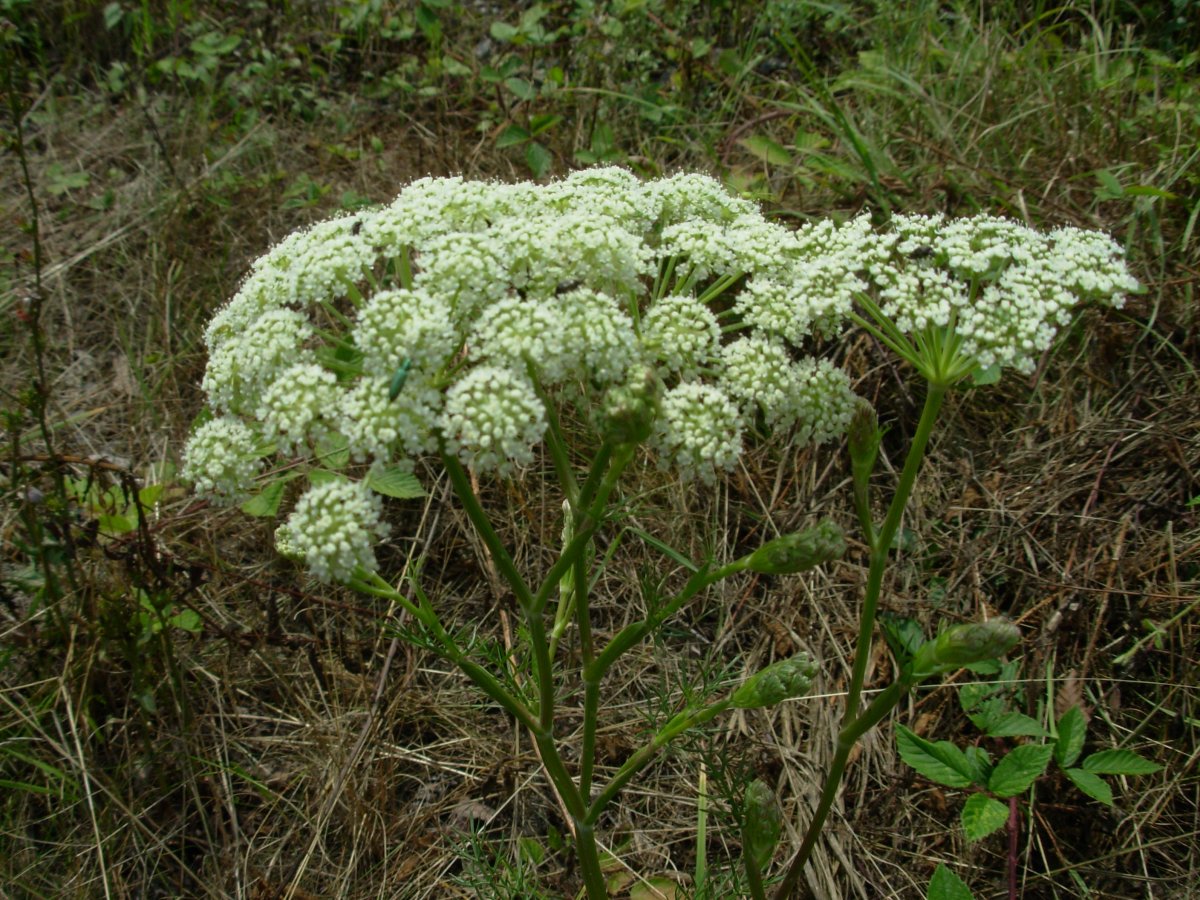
334, 528
221, 459
1006, 288
448, 319
492, 419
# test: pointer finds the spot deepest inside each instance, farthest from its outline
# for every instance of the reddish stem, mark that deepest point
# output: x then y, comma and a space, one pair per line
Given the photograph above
1014, 831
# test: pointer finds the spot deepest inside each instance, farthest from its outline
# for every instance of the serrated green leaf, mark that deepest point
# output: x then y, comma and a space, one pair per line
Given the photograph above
1019, 768
945, 885
1119, 762
266, 502
1072, 730
941, 762
1092, 785
395, 482
1015, 724
988, 713
334, 451
511, 137
981, 815
538, 159
980, 763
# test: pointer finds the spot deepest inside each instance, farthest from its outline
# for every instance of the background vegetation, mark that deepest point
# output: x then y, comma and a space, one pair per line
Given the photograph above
181, 714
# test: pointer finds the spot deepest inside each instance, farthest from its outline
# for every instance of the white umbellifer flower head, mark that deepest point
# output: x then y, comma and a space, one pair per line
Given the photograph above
712, 249
377, 426
609, 192
825, 402
318, 263
694, 196
462, 269
760, 375
221, 459
1003, 288
543, 252
699, 431
334, 527
598, 333
682, 333
515, 332
398, 325
295, 401
241, 366
492, 419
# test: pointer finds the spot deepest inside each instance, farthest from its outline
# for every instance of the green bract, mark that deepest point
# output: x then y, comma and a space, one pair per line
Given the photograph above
788, 678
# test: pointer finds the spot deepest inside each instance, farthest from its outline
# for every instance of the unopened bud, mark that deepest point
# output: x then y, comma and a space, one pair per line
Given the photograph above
780, 681
863, 437
630, 409
966, 644
798, 552
762, 821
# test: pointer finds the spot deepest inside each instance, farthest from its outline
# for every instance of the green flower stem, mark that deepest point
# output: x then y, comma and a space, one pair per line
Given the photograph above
679, 723
591, 687
883, 541
586, 524
462, 487
554, 439
855, 726
847, 738
485, 680
754, 881
633, 633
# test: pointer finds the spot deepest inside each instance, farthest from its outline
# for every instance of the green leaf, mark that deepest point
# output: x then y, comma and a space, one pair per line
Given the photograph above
981, 815
1092, 785
945, 885
1072, 729
538, 159
333, 450
904, 636
188, 620
766, 150
511, 137
983, 376
149, 495
395, 482
1014, 724
324, 476
941, 762
521, 88
543, 122
266, 502
502, 31
981, 764
1119, 762
1019, 769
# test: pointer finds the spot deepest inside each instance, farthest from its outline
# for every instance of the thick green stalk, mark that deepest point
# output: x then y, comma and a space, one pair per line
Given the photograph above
854, 726
847, 738
883, 541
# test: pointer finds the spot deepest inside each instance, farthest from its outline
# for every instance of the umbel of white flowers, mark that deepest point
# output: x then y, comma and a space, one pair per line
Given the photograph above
447, 320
